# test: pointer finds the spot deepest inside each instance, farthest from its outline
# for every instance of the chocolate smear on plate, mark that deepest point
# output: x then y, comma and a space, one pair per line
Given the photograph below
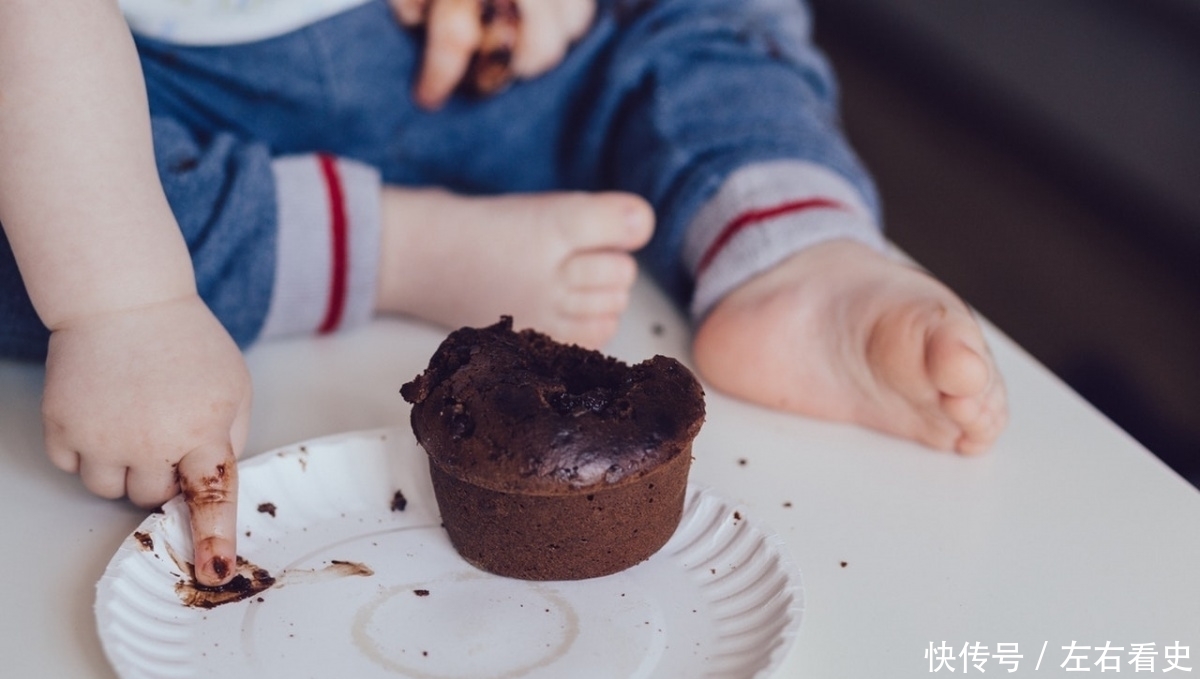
249, 581
144, 540
399, 502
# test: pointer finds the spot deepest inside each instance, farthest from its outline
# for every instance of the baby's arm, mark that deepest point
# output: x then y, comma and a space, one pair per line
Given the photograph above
145, 391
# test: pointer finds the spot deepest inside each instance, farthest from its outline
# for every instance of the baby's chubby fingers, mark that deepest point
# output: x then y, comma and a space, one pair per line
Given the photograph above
103, 479
208, 481
453, 33
149, 486
548, 29
542, 41
60, 452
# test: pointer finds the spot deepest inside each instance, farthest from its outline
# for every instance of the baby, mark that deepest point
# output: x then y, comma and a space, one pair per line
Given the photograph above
228, 179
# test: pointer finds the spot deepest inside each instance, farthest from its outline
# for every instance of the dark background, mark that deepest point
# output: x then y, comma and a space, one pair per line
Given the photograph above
1043, 158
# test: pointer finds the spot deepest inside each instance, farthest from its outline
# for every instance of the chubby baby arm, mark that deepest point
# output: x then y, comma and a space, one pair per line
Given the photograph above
144, 388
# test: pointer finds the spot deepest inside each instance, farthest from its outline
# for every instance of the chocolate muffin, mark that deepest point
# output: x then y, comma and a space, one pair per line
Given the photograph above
550, 461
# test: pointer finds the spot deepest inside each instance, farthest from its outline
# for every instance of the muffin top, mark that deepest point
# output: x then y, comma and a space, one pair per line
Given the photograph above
519, 412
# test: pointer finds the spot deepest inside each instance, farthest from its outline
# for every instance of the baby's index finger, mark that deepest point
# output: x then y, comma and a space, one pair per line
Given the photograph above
208, 481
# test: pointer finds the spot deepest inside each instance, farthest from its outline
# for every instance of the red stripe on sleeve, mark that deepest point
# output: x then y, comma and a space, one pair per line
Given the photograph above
338, 242
752, 217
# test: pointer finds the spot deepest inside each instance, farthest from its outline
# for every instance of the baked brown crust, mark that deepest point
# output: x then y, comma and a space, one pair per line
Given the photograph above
550, 461
518, 412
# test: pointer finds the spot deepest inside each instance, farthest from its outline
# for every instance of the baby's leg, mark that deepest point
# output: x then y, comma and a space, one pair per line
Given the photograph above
841, 332
557, 262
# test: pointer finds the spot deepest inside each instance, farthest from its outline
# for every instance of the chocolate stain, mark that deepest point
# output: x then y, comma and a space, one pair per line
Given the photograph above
209, 490
145, 541
490, 69
301, 458
267, 508
335, 569
252, 580
399, 502
249, 581
348, 568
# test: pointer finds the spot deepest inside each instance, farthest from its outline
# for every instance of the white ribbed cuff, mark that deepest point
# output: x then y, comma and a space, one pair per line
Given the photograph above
327, 245
764, 213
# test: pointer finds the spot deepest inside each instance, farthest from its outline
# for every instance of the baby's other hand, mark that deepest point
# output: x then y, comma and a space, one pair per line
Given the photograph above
519, 38
141, 401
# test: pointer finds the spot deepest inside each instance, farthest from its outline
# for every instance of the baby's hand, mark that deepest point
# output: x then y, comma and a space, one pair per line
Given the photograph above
145, 401
505, 38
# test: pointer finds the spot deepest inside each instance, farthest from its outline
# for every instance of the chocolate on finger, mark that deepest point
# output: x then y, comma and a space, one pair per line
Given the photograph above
491, 67
208, 481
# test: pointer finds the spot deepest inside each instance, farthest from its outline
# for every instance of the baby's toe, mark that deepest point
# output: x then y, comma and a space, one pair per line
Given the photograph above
591, 332
937, 432
981, 419
956, 357
923, 420
599, 269
591, 303
604, 221
962, 410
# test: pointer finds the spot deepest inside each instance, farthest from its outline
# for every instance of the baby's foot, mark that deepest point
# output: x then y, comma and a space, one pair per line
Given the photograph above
560, 263
844, 333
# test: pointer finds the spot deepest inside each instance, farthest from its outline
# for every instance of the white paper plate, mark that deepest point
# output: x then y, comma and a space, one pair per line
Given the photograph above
364, 591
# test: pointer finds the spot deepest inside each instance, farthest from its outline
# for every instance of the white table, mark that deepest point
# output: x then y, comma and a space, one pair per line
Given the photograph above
1068, 531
